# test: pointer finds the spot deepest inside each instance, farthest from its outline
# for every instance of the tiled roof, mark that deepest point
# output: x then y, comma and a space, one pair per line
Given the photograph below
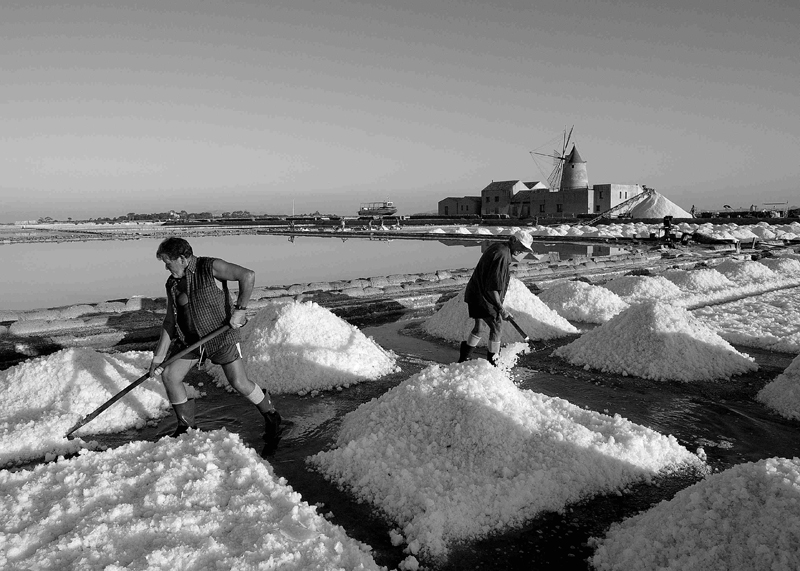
501, 185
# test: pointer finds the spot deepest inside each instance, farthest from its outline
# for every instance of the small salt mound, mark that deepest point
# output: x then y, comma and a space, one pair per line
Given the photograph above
586, 303
655, 340
783, 394
437, 231
41, 399
783, 266
201, 501
459, 452
483, 230
462, 230
763, 231
699, 280
635, 289
746, 517
538, 321
746, 271
296, 347
657, 206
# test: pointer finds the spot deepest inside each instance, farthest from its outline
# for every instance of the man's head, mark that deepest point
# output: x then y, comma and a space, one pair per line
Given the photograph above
175, 253
521, 242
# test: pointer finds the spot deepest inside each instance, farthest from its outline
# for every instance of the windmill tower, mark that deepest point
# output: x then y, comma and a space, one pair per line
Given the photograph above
573, 175
569, 170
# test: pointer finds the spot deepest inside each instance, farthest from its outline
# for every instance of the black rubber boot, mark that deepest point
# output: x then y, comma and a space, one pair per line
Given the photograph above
272, 425
466, 351
272, 432
184, 412
491, 357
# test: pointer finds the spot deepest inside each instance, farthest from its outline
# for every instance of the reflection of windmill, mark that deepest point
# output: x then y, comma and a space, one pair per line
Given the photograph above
558, 158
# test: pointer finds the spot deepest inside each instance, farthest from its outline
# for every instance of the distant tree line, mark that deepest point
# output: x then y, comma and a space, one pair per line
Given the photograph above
156, 217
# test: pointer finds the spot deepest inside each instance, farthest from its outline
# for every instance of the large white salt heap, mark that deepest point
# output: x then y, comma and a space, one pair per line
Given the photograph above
635, 289
699, 280
459, 452
744, 518
41, 399
538, 321
201, 501
657, 206
783, 393
744, 272
659, 341
766, 321
300, 347
582, 302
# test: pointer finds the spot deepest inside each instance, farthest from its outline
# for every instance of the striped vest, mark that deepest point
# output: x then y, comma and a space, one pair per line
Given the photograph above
209, 306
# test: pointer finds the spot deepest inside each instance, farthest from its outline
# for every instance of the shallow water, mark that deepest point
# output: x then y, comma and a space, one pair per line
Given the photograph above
95, 271
721, 416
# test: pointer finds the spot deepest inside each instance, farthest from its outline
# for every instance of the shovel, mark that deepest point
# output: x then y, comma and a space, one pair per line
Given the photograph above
524, 335
91, 416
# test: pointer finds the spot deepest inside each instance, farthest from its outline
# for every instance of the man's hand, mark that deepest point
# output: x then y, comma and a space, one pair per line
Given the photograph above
238, 318
504, 314
155, 366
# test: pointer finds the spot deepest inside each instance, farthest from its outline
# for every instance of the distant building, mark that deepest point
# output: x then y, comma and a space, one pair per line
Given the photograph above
518, 199
463, 206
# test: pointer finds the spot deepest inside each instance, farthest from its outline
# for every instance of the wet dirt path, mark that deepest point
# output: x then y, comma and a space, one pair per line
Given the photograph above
722, 417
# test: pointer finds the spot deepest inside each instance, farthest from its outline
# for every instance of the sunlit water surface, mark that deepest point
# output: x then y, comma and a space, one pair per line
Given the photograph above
40, 275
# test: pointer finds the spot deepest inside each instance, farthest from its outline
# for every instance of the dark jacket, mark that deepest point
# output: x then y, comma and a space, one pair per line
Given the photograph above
491, 274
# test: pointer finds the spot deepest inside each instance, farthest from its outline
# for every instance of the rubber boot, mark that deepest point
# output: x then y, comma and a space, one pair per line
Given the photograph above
272, 425
491, 357
466, 351
184, 412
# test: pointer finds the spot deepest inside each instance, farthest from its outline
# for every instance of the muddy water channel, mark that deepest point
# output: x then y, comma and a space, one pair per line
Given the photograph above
722, 417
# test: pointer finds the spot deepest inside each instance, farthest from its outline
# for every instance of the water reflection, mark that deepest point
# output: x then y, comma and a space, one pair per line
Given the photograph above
57, 274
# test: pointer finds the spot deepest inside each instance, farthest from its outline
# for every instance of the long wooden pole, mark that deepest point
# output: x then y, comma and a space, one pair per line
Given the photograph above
91, 416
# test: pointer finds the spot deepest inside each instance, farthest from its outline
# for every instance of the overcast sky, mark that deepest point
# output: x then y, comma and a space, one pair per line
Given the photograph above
116, 107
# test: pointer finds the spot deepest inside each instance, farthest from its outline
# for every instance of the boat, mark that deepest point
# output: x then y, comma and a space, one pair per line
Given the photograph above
383, 208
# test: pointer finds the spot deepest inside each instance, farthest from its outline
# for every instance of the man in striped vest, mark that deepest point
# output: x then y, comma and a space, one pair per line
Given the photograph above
196, 306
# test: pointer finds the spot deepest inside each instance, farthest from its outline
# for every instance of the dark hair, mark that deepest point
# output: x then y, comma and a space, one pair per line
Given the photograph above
173, 248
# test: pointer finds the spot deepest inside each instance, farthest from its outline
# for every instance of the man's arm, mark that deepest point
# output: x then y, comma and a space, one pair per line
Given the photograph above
494, 295
225, 271
246, 278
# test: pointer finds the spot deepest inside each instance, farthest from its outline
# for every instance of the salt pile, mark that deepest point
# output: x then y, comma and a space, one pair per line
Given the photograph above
43, 398
297, 347
201, 501
582, 302
459, 452
746, 517
783, 394
659, 341
452, 321
786, 266
745, 272
767, 321
635, 289
698, 280
657, 206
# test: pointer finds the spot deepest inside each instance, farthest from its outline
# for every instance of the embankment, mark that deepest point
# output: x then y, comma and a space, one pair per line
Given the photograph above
134, 323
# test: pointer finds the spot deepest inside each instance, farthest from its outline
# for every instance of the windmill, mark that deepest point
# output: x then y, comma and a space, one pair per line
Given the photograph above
558, 158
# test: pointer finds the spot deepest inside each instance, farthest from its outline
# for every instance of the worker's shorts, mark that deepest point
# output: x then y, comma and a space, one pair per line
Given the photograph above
221, 356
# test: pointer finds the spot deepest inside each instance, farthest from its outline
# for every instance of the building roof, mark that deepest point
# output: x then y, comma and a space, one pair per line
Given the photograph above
536, 184
501, 185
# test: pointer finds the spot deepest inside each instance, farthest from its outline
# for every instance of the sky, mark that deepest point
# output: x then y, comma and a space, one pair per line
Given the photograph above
299, 106
409, 453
